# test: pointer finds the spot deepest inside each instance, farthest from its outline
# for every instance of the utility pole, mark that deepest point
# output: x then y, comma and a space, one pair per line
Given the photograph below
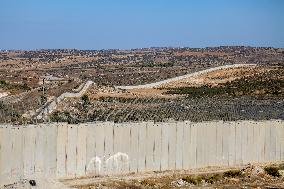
43, 86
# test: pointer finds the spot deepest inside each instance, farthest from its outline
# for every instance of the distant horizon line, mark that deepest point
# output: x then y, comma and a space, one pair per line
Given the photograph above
153, 47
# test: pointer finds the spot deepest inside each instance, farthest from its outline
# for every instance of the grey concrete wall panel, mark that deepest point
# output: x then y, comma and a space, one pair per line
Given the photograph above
232, 144
186, 146
238, 144
277, 140
6, 159
51, 150
179, 145
244, 141
108, 140
255, 150
165, 146
281, 139
134, 148
91, 159
81, 150
193, 145
71, 153
172, 145
273, 138
40, 150
99, 165
219, 146
257, 142
62, 139
261, 143
226, 143
199, 146
29, 142
1, 152
211, 143
124, 157
250, 151
142, 147
153, 156
157, 146
108, 145
16, 153
120, 158
150, 146
267, 145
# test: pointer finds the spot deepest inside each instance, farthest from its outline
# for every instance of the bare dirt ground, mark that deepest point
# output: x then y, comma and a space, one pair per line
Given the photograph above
97, 92
248, 176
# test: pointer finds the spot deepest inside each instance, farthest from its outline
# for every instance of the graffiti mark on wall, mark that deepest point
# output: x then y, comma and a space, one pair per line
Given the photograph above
94, 166
117, 163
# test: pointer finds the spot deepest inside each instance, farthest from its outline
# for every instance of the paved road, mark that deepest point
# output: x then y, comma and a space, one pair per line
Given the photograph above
156, 84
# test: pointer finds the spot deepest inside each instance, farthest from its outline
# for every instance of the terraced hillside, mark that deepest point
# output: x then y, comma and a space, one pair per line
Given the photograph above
22, 74
252, 96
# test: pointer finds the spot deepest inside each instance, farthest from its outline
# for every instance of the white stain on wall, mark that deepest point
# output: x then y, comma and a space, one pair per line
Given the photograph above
94, 166
117, 163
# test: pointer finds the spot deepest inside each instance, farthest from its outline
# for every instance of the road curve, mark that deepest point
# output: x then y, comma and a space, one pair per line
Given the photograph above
156, 84
49, 107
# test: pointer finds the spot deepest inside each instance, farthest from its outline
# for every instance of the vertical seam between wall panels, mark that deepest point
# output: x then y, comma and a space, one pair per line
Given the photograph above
235, 155
66, 156
138, 159
86, 127
176, 146
146, 145
216, 148
161, 146
56, 149
130, 142
182, 146
76, 150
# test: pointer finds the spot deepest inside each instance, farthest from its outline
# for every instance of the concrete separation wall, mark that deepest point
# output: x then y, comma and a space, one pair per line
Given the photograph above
50, 106
60, 150
157, 84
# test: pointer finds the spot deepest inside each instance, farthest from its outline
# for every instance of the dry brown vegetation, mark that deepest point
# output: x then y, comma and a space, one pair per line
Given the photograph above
249, 176
21, 74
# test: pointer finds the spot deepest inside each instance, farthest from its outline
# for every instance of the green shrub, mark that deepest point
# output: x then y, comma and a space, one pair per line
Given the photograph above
54, 117
281, 166
85, 99
212, 178
232, 173
3, 82
272, 170
190, 179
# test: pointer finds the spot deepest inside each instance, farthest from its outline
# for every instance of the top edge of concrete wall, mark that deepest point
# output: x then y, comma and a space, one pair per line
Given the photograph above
129, 123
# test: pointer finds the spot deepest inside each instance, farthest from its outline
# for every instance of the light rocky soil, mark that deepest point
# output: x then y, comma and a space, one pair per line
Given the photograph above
39, 183
252, 176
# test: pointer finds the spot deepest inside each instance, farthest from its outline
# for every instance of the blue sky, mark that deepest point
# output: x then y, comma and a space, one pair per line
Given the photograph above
124, 24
